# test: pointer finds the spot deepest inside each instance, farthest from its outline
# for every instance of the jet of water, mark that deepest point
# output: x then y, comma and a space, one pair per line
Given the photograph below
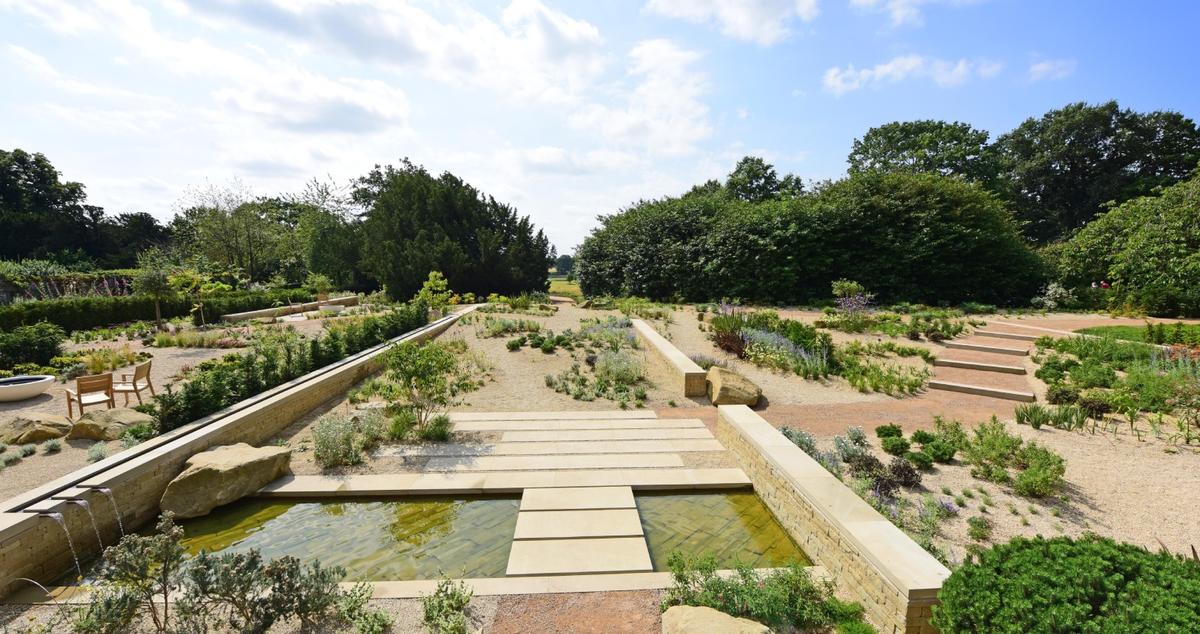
88, 507
113, 501
58, 518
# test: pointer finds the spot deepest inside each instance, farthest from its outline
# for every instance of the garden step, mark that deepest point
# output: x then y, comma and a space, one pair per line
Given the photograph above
979, 347
558, 425
578, 523
577, 498
976, 365
616, 414
979, 390
995, 334
572, 556
553, 448
690, 433
578, 461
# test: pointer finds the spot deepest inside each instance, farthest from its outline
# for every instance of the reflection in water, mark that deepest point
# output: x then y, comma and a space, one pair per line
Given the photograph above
735, 527
413, 538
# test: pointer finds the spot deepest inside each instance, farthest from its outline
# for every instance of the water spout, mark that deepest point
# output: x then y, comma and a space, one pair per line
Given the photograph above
57, 517
88, 507
113, 501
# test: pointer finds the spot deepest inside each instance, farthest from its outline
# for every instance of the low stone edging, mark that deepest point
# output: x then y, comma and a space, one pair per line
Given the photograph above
348, 300
871, 559
690, 377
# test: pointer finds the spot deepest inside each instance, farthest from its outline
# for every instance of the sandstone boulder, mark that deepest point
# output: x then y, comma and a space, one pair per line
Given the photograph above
687, 619
222, 475
107, 424
27, 427
726, 387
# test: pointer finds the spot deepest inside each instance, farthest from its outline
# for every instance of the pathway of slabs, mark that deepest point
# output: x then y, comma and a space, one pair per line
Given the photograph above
578, 530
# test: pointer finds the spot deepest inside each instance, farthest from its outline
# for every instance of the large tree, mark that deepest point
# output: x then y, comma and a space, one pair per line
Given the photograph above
41, 214
753, 180
950, 149
1059, 170
415, 223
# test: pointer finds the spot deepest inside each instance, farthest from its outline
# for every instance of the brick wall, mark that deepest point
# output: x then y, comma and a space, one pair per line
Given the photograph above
872, 561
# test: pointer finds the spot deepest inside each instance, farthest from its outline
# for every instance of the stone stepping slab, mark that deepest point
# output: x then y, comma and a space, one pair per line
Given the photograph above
555, 425
554, 448
577, 498
578, 523
582, 461
979, 347
618, 414
978, 365
995, 334
691, 433
979, 390
575, 556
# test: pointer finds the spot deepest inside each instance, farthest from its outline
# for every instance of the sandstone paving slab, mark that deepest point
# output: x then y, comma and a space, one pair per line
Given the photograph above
577, 498
695, 433
616, 414
552, 448
578, 523
574, 556
600, 423
580, 461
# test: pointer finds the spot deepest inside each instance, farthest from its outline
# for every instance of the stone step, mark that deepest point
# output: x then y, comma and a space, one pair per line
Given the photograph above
979, 390
577, 498
577, 524
551, 425
553, 448
996, 334
979, 347
617, 414
694, 433
581, 461
976, 365
574, 556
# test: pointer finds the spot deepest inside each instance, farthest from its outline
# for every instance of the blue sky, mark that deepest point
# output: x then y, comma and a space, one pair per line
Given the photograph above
564, 109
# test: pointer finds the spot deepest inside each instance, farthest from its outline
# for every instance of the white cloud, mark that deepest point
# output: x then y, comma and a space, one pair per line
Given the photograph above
664, 113
761, 21
905, 12
1051, 69
943, 72
742, 113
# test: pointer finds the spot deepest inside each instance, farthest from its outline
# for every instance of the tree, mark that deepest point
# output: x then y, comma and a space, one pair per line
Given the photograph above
153, 279
1060, 169
753, 180
124, 236
41, 214
950, 149
428, 377
564, 264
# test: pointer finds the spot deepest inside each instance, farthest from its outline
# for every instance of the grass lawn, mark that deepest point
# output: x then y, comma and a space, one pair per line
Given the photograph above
560, 286
1163, 333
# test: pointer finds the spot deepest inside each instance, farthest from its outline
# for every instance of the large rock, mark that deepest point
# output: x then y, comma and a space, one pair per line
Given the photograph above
726, 387
27, 427
222, 475
687, 619
107, 424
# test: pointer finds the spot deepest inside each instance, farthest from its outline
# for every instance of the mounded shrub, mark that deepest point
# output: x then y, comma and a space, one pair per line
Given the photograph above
1063, 585
895, 445
891, 430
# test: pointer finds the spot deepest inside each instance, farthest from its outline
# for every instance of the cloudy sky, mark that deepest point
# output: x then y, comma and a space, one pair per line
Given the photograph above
564, 109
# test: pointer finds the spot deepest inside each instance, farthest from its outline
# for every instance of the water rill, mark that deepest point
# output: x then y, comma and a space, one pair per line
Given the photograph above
88, 507
113, 502
57, 517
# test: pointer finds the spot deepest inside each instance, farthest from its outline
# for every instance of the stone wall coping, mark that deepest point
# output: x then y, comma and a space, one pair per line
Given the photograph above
193, 436
347, 300
692, 375
904, 564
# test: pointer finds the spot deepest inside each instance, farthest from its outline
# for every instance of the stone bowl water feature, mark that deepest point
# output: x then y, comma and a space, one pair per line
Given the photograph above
19, 388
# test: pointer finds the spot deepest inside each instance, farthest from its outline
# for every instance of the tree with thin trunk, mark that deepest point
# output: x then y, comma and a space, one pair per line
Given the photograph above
153, 279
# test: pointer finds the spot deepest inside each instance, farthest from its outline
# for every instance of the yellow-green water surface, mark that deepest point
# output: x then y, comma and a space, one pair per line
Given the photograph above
735, 527
409, 538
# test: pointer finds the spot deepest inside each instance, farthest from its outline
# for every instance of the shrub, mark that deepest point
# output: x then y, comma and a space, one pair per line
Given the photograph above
802, 439
903, 472
1058, 394
895, 445
36, 344
53, 445
1068, 417
782, 598
864, 465
1095, 403
402, 423
979, 528
1091, 373
140, 432
445, 611
1041, 473
1091, 584
923, 437
1032, 414
515, 344
920, 460
890, 430
429, 377
437, 430
620, 367
333, 441
10, 458
97, 452
27, 450
940, 451
950, 432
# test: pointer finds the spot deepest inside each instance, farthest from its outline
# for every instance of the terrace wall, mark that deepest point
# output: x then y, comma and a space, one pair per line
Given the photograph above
872, 561
35, 546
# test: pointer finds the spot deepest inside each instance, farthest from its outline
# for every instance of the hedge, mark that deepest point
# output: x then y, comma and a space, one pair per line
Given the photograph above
1062, 585
83, 313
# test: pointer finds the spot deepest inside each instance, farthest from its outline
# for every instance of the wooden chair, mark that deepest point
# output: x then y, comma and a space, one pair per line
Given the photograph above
91, 390
135, 383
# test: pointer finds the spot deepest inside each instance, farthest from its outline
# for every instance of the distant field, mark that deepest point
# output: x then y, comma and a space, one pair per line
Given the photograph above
1170, 333
560, 286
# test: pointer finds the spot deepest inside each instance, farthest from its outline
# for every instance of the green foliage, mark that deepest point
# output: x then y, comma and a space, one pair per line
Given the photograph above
53, 445
1091, 584
1059, 394
27, 450
445, 611
890, 430
940, 451
979, 528
780, 598
953, 149
1032, 414
895, 445
434, 291
84, 313
38, 344
352, 608
138, 575
498, 327
709, 240
97, 452
992, 451
334, 441
429, 377
920, 460
437, 430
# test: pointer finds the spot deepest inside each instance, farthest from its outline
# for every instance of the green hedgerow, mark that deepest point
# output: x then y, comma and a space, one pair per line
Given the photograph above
1092, 584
